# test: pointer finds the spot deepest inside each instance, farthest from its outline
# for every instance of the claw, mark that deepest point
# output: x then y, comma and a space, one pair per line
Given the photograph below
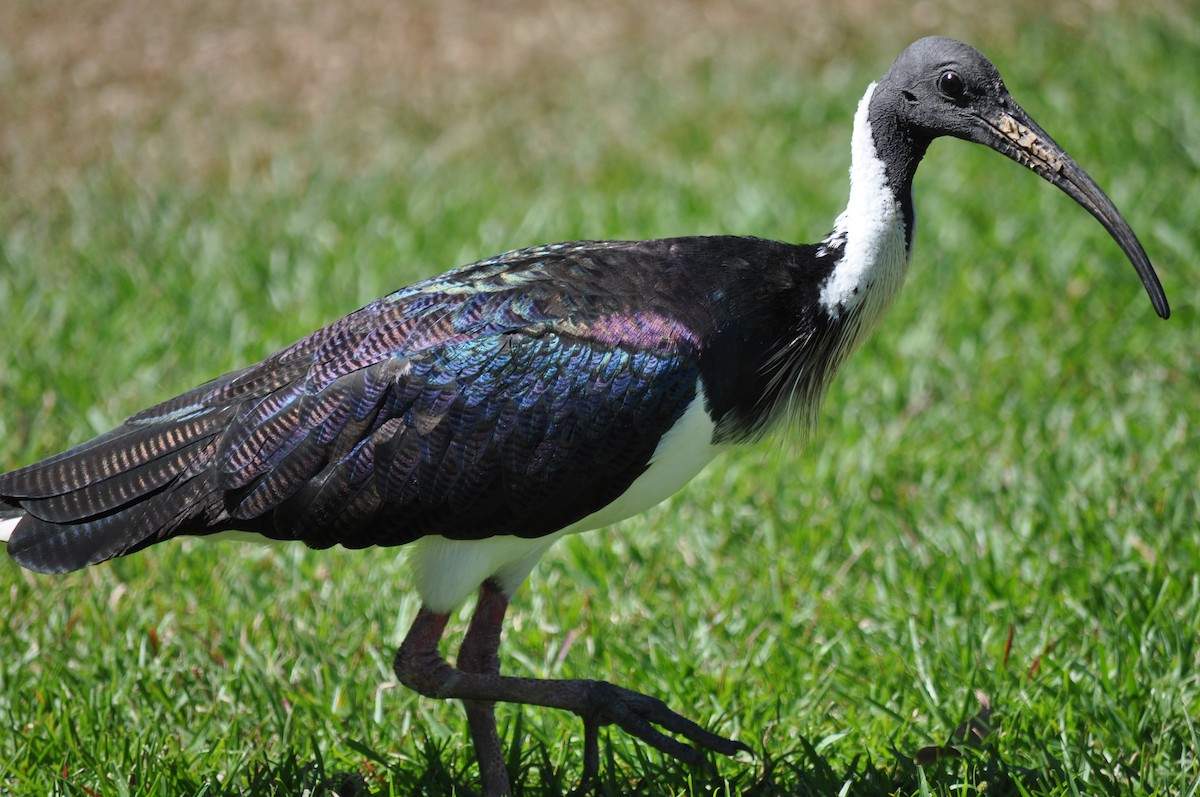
637, 714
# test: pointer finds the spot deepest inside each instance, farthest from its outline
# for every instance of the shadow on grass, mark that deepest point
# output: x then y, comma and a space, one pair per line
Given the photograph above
806, 772
431, 771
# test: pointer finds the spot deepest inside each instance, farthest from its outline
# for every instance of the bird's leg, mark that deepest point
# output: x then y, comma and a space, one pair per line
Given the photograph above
480, 654
419, 666
591, 754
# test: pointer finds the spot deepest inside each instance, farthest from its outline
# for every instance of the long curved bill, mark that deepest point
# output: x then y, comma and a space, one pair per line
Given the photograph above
1012, 132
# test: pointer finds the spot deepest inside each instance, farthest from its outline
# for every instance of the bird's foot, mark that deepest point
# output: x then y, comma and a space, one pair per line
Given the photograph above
638, 715
598, 703
477, 682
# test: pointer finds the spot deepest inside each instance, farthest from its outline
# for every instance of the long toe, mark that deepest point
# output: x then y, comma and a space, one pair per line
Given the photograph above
638, 714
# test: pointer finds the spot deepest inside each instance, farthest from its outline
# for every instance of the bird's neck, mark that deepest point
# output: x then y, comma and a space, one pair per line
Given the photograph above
801, 324
871, 238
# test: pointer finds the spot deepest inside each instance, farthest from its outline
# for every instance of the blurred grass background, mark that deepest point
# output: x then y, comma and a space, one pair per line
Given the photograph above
1002, 498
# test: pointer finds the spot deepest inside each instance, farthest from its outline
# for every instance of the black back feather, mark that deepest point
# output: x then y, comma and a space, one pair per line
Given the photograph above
512, 396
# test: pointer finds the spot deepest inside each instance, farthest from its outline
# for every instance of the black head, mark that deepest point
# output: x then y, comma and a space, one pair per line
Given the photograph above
942, 87
939, 87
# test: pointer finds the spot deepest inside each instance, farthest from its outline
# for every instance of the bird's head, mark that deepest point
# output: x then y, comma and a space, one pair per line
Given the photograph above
942, 87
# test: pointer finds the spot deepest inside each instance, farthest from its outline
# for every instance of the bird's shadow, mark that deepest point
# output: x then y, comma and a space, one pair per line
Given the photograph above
434, 770
805, 771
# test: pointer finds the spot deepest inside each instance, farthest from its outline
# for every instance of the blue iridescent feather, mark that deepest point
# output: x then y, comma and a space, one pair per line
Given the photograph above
512, 396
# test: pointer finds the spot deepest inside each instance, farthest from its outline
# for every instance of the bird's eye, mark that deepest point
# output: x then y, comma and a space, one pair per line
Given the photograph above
951, 85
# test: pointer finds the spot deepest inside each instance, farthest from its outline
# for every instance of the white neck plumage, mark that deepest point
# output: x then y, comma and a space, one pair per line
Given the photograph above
875, 255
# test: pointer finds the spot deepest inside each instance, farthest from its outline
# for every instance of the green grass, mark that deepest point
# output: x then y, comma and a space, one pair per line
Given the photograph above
1002, 497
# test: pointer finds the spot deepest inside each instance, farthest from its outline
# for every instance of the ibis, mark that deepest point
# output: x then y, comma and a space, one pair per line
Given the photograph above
479, 416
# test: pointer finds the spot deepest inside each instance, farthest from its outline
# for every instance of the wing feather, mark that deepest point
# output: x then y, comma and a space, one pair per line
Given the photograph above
512, 396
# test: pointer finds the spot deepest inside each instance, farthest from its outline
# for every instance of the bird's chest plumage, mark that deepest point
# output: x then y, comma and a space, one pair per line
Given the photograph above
867, 278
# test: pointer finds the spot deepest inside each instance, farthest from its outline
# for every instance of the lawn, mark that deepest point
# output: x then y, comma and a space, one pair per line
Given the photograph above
1000, 504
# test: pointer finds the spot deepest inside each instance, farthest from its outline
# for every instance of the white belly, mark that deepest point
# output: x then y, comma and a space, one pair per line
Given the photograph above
447, 571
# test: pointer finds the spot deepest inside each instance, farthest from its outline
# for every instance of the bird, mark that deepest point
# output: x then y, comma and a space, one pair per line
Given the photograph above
478, 416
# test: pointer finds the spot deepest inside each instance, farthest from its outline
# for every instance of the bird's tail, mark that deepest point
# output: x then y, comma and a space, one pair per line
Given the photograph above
148, 480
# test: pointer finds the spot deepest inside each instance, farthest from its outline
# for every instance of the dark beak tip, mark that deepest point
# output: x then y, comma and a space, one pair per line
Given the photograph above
1013, 133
